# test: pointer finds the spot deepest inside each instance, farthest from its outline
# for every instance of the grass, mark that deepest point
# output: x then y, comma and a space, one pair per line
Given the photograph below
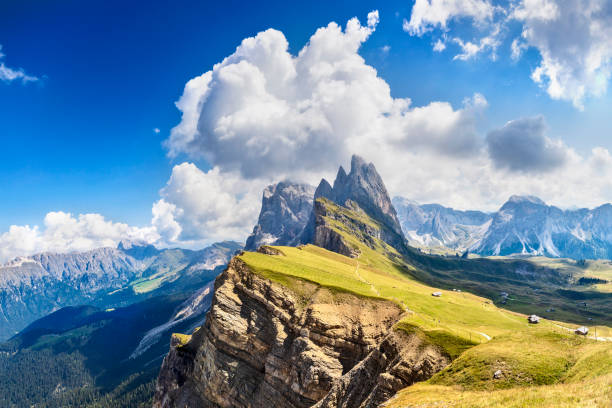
528, 357
182, 338
539, 360
448, 343
594, 393
598, 269
155, 280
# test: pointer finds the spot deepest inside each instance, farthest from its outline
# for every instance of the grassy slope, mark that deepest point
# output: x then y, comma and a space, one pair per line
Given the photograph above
541, 357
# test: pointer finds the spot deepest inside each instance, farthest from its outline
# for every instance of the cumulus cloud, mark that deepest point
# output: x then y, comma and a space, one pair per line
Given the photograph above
200, 207
63, 232
264, 112
430, 14
8, 74
573, 38
521, 145
263, 115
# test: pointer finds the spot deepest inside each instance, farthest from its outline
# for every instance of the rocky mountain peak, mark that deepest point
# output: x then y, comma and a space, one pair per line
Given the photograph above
525, 199
364, 186
137, 249
361, 189
324, 190
285, 210
341, 178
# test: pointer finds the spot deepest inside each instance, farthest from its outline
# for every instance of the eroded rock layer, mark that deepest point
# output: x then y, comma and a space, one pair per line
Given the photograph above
266, 345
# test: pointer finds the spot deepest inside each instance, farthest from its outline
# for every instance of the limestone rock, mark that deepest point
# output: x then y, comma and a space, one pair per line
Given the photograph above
285, 210
400, 360
261, 346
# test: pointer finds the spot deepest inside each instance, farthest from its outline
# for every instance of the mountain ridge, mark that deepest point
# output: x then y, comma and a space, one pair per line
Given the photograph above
524, 225
34, 286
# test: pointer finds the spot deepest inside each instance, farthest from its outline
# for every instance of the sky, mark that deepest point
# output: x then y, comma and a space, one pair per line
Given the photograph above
163, 121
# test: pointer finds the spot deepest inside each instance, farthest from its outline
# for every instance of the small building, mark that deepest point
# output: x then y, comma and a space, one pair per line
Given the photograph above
533, 319
436, 294
582, 331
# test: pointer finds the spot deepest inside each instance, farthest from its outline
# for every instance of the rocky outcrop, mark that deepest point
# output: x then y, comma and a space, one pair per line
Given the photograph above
265, 345
364, 186
362, 190
400, 360
285, 210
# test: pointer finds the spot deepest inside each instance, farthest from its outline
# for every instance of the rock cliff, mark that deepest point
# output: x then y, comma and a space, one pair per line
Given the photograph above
400, 360
285, 210
364, 191
264, 344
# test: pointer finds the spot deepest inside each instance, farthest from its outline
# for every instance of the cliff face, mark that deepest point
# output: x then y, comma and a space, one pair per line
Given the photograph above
353, 221
285, 209
362, 189
265, 345
400, 360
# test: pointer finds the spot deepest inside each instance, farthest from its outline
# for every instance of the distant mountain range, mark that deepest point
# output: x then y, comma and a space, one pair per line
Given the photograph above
112, 311
524, 225
34, 286
432, 225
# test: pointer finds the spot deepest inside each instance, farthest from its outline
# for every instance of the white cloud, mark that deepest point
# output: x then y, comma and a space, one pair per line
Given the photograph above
200, 207
430, 14
573, 38
469, 49
439, 46
264, 115
8, 74
517, 48
63, 232
156, 130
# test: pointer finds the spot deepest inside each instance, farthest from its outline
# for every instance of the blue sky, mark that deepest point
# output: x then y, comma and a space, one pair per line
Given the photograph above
81, 138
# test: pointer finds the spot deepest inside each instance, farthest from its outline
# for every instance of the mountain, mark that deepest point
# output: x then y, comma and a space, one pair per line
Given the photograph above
433, 225
361, 190
285, 209
108, 353
526, 225
355, 317
364, 186
32, 287
89, 357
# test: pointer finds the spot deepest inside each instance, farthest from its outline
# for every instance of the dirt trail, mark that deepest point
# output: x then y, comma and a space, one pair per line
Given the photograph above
361, 278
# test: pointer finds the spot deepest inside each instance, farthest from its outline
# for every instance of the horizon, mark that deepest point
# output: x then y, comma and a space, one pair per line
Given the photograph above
463, 107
